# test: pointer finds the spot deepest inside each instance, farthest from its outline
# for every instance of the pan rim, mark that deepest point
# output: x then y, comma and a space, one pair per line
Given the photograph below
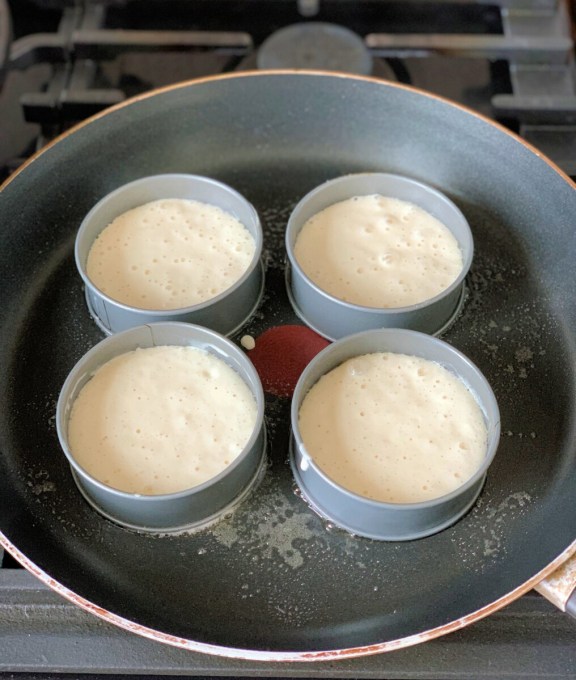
284, 657
289, 72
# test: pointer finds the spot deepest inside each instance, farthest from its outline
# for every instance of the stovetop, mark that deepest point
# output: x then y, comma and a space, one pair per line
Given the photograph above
511, 60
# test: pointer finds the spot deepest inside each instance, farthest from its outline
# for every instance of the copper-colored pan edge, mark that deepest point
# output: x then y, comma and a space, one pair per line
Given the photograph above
245, 74
268, 656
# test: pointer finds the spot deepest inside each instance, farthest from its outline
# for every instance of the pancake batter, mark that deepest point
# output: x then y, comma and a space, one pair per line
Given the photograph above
393, 427
378, 252
169, 254
161, 420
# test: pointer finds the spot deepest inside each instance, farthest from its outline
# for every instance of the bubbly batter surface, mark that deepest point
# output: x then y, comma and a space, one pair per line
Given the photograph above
394, 428
161, 420
377, 251
169, 254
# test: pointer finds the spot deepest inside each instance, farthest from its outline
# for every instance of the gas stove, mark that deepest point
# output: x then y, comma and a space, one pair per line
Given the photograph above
511, 60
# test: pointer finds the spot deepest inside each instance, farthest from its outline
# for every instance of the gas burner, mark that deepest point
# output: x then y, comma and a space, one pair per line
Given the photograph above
317, 46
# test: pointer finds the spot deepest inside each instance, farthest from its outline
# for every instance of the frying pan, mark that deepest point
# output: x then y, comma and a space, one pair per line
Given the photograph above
274, 581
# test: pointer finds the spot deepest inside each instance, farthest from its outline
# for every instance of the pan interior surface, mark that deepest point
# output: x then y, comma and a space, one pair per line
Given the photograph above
274, 576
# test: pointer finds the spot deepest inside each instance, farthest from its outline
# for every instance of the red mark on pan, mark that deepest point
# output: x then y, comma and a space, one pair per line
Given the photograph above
281, 354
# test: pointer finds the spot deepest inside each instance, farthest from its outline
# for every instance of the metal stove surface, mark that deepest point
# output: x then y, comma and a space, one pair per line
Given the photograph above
511, 60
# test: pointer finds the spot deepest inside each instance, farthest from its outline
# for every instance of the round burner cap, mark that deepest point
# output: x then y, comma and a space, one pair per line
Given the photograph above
315, 46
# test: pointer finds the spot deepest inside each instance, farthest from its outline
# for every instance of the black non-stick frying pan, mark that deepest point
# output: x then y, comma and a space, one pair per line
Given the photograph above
274, 581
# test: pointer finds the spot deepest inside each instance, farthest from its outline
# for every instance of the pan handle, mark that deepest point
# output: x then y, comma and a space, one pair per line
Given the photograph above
560, 587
